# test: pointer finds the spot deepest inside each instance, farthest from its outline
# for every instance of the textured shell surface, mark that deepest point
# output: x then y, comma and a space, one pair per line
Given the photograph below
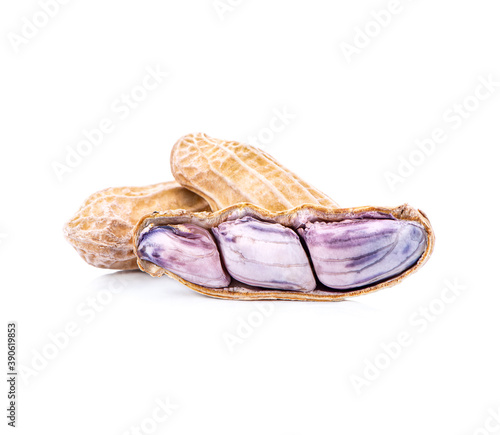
101, 231
229, 172
381, 226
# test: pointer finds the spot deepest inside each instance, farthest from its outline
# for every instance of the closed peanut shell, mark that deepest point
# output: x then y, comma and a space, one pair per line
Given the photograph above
229, 172
101, 231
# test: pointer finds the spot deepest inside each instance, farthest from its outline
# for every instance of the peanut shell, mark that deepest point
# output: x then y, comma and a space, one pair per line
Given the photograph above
101, 231
229, 172
296, 219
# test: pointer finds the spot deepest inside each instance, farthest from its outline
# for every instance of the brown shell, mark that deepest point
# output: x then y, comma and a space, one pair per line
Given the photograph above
102, 229
294, 218
229, 172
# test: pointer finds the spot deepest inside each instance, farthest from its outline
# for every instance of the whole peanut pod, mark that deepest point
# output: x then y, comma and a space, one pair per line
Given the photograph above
228, 172
101, 231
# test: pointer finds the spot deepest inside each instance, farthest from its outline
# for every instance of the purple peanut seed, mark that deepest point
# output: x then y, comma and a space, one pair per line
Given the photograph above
355, 253
265, 255
186, 250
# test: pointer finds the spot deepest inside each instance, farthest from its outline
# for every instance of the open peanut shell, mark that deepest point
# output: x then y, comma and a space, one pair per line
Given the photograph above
295, 219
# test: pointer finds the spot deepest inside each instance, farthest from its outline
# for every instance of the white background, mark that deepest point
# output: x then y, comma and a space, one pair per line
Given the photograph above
354, 119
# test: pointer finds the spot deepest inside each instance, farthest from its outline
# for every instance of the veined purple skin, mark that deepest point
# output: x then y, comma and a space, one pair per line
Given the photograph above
186, 250
265, 255
355, 253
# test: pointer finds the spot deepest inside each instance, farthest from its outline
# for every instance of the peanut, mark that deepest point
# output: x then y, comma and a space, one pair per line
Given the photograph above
353, 251
101, 231
225, 173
